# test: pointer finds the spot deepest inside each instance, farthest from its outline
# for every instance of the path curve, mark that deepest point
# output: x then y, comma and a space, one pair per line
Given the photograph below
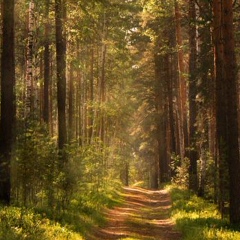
145, 215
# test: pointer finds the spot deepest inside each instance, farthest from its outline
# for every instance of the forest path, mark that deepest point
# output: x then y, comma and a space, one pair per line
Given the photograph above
144, 215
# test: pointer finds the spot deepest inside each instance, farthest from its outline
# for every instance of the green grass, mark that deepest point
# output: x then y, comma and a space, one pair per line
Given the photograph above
73, 223
198, 219
19, 223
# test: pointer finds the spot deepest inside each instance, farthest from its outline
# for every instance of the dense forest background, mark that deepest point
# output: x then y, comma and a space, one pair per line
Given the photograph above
94, 93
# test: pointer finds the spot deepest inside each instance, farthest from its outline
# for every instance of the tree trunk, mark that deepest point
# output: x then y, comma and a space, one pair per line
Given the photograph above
60, 13
103, 92
161, 74
46, 67
221, 101
51, 84
193, 154
8, 107
227, 103
232, 114
205, 96
182, 99
102, 83
29, 103
91, 111
70, 104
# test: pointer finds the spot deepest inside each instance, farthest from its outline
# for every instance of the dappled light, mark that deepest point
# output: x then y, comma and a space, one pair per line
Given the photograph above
199, 219
144, 215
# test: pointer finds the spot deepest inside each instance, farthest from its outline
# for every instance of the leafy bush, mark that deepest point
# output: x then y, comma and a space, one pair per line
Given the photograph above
34, 167
181, 171
82, 213
69, 200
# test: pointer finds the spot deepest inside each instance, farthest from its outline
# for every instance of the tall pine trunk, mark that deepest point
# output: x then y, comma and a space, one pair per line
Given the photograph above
60, 12
182, 93
71, 94
227, 103
221, 108
232, 114
46, 67
193, 154
8, 108
29, 103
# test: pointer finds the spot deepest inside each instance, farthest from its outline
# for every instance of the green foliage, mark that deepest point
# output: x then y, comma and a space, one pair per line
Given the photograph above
89, 173
211, 178
181, 171
84, 210
87, 165
19, 223
34, 167
72, 197
199, 219
87, 206
37, 176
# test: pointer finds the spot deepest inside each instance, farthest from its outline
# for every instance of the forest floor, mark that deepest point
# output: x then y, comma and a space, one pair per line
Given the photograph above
144, 215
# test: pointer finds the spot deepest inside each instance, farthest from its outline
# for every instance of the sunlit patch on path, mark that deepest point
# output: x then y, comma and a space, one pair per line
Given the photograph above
144, 215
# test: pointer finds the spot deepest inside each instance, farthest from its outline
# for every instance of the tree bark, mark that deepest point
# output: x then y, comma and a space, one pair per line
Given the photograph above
161, 74
71, 104
29, 103
227, 102
221, 102
193, 154
8, 101
182, 99
91, 93
205, 95
232, 114
46, 67
60, 12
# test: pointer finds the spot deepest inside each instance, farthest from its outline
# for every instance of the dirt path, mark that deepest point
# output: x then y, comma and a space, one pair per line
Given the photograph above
144, 215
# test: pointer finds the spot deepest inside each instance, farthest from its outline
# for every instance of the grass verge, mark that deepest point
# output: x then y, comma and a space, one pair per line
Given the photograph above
73, 223
20, 223
198, 219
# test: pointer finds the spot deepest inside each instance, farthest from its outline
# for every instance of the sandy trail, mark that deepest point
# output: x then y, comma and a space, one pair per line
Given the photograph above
144, 215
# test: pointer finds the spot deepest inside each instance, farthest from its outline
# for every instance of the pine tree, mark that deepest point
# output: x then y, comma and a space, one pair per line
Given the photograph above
8, 108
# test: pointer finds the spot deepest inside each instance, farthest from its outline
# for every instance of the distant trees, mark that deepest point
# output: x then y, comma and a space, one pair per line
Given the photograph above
196, 94
70, 69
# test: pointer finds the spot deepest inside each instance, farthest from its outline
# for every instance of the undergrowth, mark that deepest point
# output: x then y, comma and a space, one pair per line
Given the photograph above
72, 223
20, 223
198, 219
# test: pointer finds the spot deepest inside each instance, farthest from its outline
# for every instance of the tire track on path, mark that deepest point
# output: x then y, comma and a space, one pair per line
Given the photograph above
145, 215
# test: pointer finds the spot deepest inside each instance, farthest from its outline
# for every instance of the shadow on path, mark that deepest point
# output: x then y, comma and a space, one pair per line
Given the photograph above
144, 215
